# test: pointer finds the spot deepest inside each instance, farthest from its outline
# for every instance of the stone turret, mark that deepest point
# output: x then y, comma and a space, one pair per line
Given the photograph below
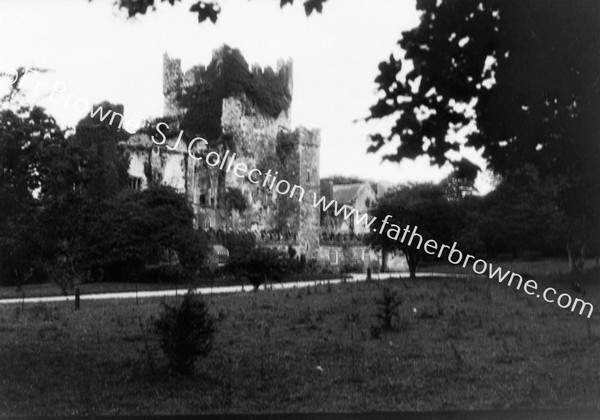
309, 144
172, 83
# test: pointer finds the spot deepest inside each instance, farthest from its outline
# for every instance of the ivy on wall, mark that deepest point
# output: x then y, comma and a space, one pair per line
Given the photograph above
228, 74
288, 159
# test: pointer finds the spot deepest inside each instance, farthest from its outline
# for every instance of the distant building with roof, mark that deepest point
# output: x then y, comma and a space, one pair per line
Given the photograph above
360, 196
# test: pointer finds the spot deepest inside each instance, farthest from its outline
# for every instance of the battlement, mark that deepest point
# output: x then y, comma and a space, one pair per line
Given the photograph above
274, 86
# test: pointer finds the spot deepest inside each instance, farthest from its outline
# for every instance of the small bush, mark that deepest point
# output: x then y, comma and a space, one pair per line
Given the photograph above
260, 265
238, 243
375, 332
167, 273
291, 252
303, 261
318, 267
375, 266
387, 307
185, 332
352, 266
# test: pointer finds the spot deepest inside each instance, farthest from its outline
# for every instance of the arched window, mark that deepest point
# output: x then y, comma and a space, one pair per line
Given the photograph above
333, 257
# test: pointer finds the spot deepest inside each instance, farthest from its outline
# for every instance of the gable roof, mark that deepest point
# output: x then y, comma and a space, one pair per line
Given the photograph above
346, 194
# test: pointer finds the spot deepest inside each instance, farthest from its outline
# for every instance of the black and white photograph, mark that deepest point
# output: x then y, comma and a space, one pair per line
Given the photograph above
300, 209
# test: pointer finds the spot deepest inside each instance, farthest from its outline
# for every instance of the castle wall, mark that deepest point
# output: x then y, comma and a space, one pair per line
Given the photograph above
137, 161
365, 196
309, 178
167, 167
255, 137
257, 140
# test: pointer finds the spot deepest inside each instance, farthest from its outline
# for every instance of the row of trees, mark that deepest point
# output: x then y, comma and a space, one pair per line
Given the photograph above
524, 76
520, 218
67, 214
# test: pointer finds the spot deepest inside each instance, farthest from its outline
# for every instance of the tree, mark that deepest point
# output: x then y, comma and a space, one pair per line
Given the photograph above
524, 74
26, 137
185, 332
260, 265
78, 175
146, 228
457, 186
205, 9
520, 215
104, 172
421, 205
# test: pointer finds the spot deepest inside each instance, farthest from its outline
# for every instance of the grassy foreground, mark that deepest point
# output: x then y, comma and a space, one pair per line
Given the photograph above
460, 344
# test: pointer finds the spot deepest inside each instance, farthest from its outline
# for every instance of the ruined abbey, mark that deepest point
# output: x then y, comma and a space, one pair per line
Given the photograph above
243, 110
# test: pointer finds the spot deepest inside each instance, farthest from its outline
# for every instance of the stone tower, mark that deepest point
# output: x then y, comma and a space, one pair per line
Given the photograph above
309, 146
256, 134
172, 83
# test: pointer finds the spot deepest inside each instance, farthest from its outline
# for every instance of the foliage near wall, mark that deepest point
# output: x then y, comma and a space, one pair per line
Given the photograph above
228, 74
287, 160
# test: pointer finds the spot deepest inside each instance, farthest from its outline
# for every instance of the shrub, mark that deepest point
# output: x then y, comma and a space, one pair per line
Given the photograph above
353, 265
387, 307
291, 252
320, 267
138, 229
375, 332
185, 332
239, 244
261, 264
375, 266
167, 273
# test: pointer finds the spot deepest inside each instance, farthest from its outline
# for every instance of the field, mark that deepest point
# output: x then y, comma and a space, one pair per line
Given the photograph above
542, 269
459, 344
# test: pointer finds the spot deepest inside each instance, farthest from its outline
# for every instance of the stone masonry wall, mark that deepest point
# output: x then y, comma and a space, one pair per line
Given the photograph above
310, 144
255, 138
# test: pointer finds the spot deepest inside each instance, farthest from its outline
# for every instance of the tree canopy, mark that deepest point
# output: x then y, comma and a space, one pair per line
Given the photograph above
205, 9
67, 215
524, 72
425, 206
522, 76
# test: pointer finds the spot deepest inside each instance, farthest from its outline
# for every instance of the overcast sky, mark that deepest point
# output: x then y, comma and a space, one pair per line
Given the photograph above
99, 54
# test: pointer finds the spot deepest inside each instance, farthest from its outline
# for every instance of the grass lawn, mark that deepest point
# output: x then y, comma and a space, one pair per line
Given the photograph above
547, 267
459, 344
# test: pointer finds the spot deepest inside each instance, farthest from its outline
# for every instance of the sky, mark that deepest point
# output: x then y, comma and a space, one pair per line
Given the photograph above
96, 53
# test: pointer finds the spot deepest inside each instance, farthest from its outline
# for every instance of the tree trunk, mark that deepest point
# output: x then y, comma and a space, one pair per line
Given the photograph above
412, 258
384, 258
576, 254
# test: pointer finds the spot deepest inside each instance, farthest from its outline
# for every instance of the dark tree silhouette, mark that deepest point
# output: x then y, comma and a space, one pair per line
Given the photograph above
205, 9
525, 73
423, 205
